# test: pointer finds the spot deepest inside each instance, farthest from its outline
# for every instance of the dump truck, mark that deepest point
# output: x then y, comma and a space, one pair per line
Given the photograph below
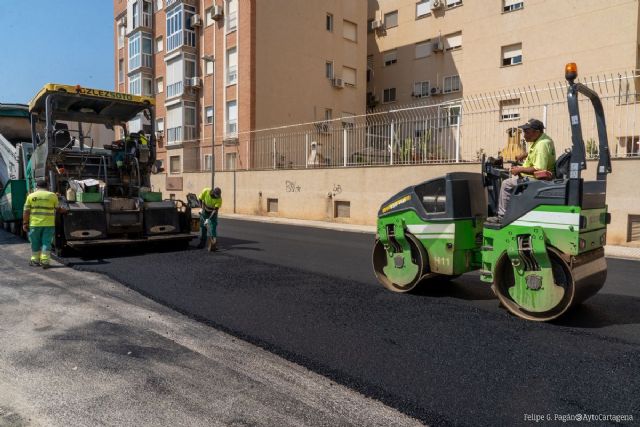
547, 253
15, 152
106, 189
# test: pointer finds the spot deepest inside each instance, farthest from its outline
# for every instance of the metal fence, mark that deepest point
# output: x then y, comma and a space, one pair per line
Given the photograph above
431, 132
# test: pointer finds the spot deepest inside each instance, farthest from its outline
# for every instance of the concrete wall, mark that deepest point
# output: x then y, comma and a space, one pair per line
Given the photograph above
310, 194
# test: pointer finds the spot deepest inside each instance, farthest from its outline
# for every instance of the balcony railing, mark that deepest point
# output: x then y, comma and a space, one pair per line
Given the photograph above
175, 89
174, 135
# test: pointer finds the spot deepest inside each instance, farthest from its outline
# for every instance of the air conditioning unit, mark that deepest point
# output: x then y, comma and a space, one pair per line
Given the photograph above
377, 25
438, 46
196, 20
193, 82
337, 82
437, 4
435, 91
217, 13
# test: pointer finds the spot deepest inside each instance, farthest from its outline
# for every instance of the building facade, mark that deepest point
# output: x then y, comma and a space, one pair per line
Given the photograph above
446, 49
219, 69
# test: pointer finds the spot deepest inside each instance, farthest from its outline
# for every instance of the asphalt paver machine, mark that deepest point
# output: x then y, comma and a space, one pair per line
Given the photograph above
106, 189
545, 256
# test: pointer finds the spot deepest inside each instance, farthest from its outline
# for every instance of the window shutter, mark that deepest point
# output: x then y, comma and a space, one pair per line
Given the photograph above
453, 40
508, 3
349, 75
423, 8
512, 51
349, 30
424, 49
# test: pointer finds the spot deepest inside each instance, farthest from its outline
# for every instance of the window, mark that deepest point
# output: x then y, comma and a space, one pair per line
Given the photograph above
328, 69
232, 15
140, 51
348, 120
453, 3
453, 114
424, 49
207, 162
189, 66
146, 13
208, 67
453, 41
328, 114
159, 44
423, 8
512, 55
135, 84
232, 117
121, 71
158, 5
147, 86
135, 16
175, 77
421, 89
189, 120
349, 31
174, 124
179, 30
391, 19
208, 112
511, 5
451, 84
329, 22
369, 67
349, 76
389, 95
159, 85
390, 57
230, 161
370, 25
208, 20
232, 66
160, 125
509, 109
174, 164
121, 31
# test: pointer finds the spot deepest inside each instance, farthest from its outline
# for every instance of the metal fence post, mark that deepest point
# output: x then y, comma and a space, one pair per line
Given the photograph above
458, 134
306, 150
344, 147
393, 140
274, 152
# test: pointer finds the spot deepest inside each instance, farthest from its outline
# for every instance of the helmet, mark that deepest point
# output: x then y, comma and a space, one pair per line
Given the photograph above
216, 192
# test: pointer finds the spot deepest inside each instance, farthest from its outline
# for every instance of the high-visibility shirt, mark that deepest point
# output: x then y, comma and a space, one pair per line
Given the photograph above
208, 201
541, 155
42, 205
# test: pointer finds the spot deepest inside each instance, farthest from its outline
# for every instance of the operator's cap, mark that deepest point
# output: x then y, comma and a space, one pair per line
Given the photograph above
533, 124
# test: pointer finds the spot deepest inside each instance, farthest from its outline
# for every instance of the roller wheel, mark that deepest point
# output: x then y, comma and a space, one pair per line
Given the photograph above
417, 268
562, 277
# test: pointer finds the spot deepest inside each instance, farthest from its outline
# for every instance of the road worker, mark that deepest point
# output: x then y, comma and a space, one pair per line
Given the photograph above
210, 201
38, 221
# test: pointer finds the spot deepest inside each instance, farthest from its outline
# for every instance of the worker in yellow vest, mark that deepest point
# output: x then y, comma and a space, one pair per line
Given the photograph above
39, 220
210, 201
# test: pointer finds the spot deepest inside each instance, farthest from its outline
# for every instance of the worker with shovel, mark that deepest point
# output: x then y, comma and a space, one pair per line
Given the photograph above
210, 201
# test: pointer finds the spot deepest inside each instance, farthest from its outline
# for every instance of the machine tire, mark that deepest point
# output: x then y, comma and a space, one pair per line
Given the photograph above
562, 276
418, 255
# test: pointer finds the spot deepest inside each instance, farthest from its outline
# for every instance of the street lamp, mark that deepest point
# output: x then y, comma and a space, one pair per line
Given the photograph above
212, 59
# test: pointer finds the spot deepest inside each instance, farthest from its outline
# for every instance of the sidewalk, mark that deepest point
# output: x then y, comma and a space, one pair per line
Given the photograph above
612, 251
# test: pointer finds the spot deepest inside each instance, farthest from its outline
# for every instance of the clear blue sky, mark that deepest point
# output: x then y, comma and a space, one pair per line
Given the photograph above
54, 41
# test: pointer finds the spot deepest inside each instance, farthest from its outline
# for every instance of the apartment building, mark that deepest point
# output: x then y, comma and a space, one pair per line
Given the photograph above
445, 49
220, 69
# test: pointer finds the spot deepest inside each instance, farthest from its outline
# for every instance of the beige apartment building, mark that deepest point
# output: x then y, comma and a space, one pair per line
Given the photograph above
219, 69
447, 49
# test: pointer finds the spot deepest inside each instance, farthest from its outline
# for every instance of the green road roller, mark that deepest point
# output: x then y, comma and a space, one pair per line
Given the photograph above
546, 254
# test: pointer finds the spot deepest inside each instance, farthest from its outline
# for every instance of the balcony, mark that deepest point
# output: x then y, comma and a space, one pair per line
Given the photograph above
175, 89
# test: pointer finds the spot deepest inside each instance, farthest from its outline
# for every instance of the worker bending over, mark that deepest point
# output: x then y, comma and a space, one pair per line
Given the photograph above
210, 201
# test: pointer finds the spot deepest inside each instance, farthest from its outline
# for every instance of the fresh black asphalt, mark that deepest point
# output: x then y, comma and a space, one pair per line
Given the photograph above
447, 355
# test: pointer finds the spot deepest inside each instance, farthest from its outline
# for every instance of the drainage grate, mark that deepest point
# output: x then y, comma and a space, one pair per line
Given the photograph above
633, 233
342, 209
272, 205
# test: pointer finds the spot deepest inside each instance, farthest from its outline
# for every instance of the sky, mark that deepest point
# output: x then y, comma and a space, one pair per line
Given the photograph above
54, 41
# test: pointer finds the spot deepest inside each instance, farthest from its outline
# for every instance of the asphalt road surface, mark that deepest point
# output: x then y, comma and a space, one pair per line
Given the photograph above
447, 355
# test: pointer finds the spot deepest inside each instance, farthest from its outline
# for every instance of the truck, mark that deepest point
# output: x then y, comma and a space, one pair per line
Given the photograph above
545, 256
15, 152
106, 187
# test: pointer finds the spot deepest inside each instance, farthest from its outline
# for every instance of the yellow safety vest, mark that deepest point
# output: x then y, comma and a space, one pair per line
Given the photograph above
208, 201
41, 205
